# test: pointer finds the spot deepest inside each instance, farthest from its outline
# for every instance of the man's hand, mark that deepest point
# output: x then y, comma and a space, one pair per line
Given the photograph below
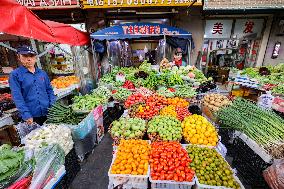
30, 121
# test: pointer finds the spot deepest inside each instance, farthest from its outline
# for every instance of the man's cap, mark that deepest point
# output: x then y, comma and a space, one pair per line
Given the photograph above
25, 49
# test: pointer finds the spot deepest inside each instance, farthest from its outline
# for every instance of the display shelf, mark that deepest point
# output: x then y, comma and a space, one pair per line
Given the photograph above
56, 179
6, 119
4, 86
255, 147
61, 93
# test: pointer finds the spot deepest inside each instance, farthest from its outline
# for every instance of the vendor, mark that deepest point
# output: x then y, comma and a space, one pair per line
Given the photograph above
31, 88
178, 58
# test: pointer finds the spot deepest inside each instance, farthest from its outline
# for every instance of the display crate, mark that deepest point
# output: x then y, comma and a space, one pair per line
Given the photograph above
249, 164
167, 184
204, 186
127, 181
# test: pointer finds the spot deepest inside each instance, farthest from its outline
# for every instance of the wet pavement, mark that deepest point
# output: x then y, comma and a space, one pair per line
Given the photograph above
94, 169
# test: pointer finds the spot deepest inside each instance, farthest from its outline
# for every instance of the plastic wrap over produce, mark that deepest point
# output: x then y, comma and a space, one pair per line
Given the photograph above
13, 167
49, 134
274, 175
24, 129
81, 130
49, 159
85, 145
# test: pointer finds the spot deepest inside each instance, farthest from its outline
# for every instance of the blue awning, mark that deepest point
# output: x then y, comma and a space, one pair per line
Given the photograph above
140, 30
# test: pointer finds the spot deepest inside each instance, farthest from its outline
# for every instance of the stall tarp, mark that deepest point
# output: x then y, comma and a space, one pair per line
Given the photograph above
20, 21
140, 30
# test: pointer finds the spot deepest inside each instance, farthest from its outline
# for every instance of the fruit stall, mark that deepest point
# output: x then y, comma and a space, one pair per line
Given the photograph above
170, 129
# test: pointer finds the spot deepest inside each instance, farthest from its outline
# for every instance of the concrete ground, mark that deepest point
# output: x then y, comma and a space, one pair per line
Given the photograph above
94, 169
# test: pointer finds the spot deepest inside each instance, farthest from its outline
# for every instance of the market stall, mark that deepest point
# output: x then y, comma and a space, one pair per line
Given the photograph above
40, 162
156, 110
119, 42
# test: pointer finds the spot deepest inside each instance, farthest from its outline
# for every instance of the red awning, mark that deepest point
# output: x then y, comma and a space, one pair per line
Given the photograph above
19, 20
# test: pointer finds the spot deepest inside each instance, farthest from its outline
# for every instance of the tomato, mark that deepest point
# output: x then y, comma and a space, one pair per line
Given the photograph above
183, 163
181, 168
162, 176
155, 178
166, 168
181, 179
183, 175
169, 177
178, 172
160, 168
176, 177
155, 168
188, 177
171, 168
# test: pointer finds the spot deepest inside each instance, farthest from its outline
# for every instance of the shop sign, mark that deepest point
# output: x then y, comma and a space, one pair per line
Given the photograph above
242, 4
49, 4
248, 28
216, 29
136, 3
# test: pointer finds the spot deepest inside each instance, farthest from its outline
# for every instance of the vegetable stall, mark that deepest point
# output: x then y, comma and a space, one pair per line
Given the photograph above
170, 134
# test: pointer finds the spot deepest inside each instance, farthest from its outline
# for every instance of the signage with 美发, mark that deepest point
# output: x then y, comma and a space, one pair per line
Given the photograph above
248, 28
218, 29
88, 4
50, 4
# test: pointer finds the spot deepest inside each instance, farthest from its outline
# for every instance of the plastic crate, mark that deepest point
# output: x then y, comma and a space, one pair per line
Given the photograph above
203, 186
127, 181
167, 184
249, 164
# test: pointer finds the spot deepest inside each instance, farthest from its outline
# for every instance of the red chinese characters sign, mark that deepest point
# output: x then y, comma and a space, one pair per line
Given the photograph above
49, 4
147, 30
144, 29
248, 28
218, 29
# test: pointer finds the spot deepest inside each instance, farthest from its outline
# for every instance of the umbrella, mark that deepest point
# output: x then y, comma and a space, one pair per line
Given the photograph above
20, 21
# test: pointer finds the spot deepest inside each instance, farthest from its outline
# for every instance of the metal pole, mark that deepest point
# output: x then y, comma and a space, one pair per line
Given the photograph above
94, 63
7, 46
165, 41
189, 53
35, 49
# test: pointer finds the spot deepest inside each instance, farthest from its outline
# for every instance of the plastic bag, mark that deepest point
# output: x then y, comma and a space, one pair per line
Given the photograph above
222, 149
274, 175
48, 161
23, 128
14, 174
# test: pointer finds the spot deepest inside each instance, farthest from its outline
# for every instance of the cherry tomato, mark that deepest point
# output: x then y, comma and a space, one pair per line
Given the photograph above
176, 177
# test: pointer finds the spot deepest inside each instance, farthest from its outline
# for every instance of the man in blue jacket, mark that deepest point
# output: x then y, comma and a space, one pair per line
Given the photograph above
31, 88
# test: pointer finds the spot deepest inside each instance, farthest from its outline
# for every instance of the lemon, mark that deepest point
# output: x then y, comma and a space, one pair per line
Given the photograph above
193, 140
193, 131
205, 141
200, 141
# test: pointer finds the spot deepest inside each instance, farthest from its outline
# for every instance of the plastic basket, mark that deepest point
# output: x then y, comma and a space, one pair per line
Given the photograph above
203, 186
167, 184
127, 181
